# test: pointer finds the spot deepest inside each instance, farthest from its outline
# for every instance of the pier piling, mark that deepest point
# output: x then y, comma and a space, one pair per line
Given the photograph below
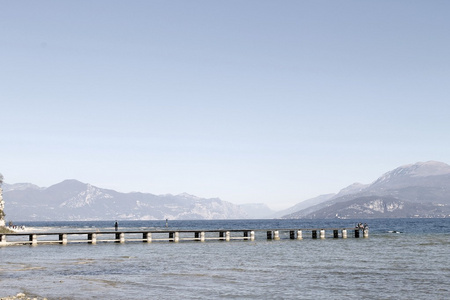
366, 232
322, 233
147, 237
92, 238
33, 239
276, 235
63, 239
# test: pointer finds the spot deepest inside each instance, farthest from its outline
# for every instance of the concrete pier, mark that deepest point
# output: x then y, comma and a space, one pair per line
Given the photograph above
63, 239
322, 233
292, 234
147, 237
33, 239
276, 235
120, 237
92, 238
366, 232
95, 237
2, 239
174, 236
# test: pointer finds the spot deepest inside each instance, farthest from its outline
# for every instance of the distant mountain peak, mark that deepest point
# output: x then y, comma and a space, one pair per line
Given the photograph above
419, 169
429, 168
188, 196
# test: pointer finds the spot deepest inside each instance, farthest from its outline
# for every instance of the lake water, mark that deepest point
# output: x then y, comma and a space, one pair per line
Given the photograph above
413, 264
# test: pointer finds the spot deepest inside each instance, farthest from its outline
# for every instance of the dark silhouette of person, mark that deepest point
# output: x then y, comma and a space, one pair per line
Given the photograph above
116, 226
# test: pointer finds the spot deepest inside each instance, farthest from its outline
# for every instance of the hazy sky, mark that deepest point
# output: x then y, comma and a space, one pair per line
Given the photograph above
248, 101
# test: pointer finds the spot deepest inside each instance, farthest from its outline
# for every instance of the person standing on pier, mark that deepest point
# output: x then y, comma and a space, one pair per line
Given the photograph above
116, 226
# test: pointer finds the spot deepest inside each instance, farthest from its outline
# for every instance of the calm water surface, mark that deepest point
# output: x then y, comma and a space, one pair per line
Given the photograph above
414, 264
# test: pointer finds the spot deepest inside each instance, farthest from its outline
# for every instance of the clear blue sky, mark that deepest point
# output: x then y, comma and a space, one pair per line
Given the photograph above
248, 101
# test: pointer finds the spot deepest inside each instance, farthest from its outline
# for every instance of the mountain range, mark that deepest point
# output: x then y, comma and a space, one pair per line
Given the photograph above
420, 190
74, 200
416, 190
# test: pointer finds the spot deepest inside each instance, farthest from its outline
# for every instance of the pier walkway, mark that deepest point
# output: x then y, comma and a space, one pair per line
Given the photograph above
149, 236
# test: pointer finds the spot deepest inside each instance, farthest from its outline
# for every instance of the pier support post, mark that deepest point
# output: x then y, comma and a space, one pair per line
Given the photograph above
269, 235
120, 237
33, 239
252, 235
92, 238
366, 232
276, 235
344, 233
227, 236
292, 235
221, 235
197, 236
356, 233
2, 239
202, 236
314, 234
322, 233
335, 233
147, 237
299, 235
174, 236
63, 239
245, 235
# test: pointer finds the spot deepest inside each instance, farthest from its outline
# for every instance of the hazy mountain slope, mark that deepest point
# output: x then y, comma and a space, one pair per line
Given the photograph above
380, 207
257, 210
303, 205
74, 200
422, 188
19, 186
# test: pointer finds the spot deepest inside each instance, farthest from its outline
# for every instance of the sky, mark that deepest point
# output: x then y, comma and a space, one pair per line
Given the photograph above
269, 102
